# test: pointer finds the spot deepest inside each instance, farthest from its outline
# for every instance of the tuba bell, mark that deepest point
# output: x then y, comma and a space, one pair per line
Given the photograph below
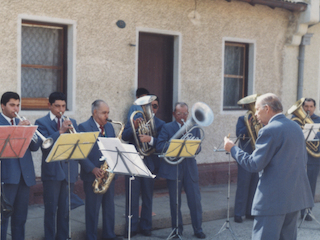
146, 126
201, 116
101, 185
252, 123
302, 118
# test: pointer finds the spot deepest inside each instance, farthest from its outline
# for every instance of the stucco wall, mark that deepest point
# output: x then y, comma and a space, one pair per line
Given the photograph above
106, 64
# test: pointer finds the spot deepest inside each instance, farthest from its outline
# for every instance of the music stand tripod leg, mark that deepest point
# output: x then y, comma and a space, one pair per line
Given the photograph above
129, 213
308, 212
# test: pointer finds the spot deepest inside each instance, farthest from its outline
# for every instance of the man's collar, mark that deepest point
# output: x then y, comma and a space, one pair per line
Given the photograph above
274, 116
8, 119
52, 116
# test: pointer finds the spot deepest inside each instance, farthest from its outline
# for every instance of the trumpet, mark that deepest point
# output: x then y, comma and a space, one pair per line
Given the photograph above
46, 142
72, 130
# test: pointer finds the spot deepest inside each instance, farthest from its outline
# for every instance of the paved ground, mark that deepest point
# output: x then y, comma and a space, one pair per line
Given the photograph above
215, 209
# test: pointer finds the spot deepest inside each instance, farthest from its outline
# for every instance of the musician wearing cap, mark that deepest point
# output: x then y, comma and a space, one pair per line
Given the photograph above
313, 165
54, 175
280, 158
17, 174
187, 171
146, 144
91, 170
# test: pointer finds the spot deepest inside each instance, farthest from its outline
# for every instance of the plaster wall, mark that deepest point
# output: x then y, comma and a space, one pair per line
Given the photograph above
106, 63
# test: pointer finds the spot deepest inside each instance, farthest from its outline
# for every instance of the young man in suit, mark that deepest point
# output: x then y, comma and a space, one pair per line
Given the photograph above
187, 171
90, 170
54, 175
17, 174
140, 184
280, 157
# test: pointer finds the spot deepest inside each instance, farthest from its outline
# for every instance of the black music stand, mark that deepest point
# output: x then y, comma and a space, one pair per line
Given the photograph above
123, 159
14, 141
177, 149
68, 147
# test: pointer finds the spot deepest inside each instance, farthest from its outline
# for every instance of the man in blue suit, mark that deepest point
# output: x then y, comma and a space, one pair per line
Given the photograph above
17, 174
54, 175
141, 184
188, 174
247, 181
280, 156
90, 170
140, 92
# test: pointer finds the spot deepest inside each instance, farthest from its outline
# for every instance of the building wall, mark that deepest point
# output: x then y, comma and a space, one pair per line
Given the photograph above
106, 63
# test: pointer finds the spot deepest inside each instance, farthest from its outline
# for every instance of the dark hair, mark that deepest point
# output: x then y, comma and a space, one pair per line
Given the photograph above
182, 104
157, 98
7, 96
141, 91
57, 96
309, 100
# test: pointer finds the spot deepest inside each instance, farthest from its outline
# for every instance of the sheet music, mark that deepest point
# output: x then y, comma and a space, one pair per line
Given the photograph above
310, 131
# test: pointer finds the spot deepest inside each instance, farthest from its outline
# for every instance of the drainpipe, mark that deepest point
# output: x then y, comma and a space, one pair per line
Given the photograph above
304, 41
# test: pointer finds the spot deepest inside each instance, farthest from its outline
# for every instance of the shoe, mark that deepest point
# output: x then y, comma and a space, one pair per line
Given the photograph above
248, 216
146, 232
200, 235
131, 235
308, 218
115, 238
238, 219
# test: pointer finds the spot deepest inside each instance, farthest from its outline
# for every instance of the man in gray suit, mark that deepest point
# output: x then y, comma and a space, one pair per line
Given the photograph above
280, 157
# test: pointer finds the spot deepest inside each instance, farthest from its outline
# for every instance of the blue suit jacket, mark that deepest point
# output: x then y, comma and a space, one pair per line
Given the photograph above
152, 161
13, 168
93, 161
167, 170
55, 170
281, 156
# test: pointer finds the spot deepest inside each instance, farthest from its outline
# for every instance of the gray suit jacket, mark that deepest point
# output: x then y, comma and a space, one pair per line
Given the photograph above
280, 157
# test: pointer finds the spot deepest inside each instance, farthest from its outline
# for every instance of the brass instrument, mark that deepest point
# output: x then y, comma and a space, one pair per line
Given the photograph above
252, 123
101, 185
72, 130
302, 118
146, 126
46, 142
201, 115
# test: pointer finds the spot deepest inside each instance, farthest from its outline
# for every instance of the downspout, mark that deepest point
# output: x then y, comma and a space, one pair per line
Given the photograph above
304, 41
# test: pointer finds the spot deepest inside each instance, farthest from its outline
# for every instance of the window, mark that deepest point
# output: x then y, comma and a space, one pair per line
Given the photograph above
43, 63
235, 74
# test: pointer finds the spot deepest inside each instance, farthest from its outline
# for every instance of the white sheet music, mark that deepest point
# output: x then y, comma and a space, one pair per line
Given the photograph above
131, 164
310, 131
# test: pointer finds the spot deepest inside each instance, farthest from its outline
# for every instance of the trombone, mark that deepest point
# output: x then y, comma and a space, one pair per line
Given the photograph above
46, 142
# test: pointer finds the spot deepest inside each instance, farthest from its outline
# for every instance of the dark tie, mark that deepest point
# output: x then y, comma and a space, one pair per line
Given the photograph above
101, 130
58, 123
12, 123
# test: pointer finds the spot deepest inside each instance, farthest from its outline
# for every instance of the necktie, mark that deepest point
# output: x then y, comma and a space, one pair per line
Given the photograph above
12, 123
101, 130
58, 123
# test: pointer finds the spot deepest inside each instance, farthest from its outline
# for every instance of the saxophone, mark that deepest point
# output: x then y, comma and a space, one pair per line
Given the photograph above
101, 185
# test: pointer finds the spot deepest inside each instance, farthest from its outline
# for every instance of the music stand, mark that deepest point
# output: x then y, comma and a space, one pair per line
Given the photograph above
123, 159
14, 141
72, 147
180, 148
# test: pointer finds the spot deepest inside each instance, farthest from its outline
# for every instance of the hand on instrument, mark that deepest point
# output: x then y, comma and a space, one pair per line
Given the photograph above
228, 144
24, 122
136, 122
98, 172
66, 125
145, 138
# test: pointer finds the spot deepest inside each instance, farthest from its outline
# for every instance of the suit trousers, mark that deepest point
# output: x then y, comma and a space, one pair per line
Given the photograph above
55, 195
18, 197
145, 187
282, 227
193, 198
92, 208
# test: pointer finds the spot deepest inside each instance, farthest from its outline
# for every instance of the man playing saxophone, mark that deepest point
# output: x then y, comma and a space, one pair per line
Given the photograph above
54, 175
17, 174
90, 170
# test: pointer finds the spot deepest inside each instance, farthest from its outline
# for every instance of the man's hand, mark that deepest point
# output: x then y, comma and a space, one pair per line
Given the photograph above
145, 138
136, 122
98, 172
24, 122
228, 144
66, 125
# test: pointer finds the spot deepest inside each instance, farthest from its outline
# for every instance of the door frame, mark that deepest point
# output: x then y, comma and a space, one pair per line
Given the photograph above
177, 38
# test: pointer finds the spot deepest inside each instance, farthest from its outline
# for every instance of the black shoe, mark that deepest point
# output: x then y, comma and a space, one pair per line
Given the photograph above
308, 218
200, 235
238, 219
248, 216
145, 232
131, 235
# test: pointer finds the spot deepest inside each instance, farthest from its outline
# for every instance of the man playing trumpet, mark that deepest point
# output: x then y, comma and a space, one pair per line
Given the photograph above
17, 174
54, 175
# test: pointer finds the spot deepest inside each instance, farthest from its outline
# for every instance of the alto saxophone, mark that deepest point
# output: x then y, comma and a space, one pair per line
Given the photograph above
101, 185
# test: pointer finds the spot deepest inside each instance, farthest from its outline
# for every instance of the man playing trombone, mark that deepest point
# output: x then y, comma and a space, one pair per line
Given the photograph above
17, 174
54, 175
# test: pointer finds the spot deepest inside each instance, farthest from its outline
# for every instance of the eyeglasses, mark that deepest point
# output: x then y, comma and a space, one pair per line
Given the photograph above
182, 114
155, 106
